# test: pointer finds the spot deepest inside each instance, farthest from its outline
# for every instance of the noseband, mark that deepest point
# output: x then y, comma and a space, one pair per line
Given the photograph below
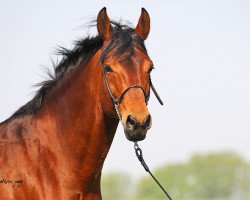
118, 100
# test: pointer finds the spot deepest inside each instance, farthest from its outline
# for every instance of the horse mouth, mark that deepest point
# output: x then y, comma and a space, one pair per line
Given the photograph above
136, 135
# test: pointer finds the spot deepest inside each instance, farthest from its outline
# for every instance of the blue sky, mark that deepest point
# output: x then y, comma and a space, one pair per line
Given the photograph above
201, 52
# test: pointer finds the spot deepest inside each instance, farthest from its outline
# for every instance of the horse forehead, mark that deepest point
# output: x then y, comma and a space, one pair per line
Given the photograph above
134, 62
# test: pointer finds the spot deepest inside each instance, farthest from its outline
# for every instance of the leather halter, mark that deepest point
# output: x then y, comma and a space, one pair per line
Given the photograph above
118, 100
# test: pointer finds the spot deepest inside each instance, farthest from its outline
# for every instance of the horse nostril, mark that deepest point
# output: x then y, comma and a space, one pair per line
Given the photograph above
147, 121
131, 122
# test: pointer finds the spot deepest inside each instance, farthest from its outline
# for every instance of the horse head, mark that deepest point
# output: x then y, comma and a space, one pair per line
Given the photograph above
126, 70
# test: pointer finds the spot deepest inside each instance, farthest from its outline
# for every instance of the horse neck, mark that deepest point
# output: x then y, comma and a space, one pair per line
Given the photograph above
80, 124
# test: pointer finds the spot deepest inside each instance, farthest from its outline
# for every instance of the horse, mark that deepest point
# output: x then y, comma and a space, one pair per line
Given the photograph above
55, 145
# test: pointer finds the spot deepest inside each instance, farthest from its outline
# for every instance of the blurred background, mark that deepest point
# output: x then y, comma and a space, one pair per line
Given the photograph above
198, 145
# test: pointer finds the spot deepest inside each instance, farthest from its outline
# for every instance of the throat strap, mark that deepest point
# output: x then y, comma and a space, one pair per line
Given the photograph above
155, 92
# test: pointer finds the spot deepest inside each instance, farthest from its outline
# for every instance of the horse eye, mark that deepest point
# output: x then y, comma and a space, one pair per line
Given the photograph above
108, 69
150, 69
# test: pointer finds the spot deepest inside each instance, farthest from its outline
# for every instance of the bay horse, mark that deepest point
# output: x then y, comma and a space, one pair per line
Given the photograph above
54, 147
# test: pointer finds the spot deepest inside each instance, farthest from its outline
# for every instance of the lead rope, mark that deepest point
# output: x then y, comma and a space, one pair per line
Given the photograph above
138, 153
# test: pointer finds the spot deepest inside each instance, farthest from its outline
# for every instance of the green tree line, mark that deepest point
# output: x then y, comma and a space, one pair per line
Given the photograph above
216, 176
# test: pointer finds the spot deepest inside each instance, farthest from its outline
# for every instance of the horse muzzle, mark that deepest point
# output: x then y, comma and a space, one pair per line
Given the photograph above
136, 130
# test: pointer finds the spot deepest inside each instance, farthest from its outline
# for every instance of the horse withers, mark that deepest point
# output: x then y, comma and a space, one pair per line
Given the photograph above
54, 146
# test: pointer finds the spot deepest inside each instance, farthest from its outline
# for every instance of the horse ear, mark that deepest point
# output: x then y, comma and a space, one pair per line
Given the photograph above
143, 26
103, 24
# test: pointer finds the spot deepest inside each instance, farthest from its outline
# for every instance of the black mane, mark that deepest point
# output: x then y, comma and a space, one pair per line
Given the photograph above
123, 38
